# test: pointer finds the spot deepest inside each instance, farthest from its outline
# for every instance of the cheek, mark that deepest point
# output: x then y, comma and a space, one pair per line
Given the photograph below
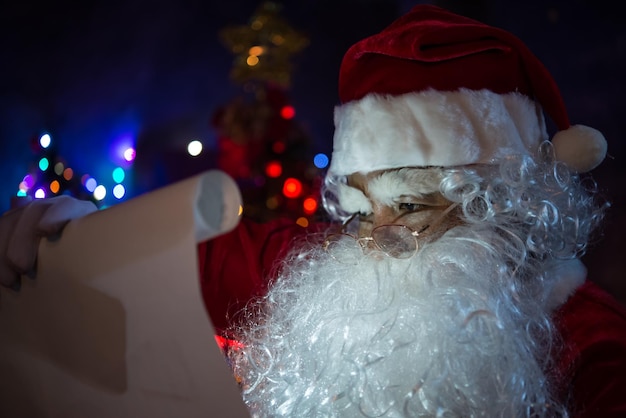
365, 229
439, 226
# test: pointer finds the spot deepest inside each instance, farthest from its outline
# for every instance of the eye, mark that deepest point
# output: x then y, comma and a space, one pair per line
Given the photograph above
411, 207
364, 217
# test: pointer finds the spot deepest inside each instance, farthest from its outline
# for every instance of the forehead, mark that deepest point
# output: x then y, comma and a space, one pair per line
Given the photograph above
404, 181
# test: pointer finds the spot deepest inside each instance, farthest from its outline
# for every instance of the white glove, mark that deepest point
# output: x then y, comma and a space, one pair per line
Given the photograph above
22, 228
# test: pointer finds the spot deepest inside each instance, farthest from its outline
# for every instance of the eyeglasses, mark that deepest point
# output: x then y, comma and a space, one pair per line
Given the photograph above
394, 240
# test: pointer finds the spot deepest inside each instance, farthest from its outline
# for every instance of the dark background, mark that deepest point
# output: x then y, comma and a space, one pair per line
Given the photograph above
93, 72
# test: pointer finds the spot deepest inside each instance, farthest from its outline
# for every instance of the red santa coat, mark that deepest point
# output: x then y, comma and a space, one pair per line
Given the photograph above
591, 373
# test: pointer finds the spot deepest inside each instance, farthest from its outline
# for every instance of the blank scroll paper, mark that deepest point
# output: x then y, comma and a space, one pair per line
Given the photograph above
114, 324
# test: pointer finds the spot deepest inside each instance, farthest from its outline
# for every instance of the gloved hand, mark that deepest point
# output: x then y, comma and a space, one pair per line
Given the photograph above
22, 228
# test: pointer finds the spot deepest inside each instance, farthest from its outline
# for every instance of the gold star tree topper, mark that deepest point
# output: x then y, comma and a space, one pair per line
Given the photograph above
263, 48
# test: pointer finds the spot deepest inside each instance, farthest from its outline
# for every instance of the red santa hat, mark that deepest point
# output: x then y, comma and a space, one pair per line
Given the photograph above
438, 89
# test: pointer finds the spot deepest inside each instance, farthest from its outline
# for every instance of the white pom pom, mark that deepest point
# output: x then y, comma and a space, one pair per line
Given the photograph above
580, 147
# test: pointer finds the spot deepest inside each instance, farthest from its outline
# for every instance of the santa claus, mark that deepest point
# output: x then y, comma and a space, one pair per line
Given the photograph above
451, 285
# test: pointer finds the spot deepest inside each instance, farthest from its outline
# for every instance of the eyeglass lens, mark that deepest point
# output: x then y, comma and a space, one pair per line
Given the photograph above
343, 248
396, 241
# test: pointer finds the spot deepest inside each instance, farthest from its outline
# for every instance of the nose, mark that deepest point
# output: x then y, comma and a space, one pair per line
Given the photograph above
381, 215
369, 247
366, 242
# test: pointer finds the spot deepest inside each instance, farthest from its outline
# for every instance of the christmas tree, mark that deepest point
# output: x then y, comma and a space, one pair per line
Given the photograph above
260, 142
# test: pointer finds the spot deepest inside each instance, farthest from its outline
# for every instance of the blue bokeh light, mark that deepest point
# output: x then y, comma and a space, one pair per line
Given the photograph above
320, 160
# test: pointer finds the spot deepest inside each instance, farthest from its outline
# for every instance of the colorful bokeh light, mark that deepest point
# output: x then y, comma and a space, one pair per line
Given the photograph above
272, 202
58, 168
320, 160
278, 147
309, 205
118, 175
252, 60
129, 154
256, 50
274, 169
45, 140
55, 186
44, 164
91, 184
292, 188
100, 192
287, 112
194, 148
29, 181
119, 191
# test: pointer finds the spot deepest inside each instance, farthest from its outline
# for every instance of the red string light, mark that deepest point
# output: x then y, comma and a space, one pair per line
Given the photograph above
287, 112
292, 188
274, 169
309, 205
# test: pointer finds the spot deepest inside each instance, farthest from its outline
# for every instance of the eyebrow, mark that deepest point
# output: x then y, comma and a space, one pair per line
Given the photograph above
388, 187
353, 199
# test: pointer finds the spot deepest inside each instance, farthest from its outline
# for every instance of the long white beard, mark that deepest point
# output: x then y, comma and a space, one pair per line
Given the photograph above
447, 333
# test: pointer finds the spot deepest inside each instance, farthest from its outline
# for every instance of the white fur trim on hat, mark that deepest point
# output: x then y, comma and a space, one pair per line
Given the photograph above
433, 128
